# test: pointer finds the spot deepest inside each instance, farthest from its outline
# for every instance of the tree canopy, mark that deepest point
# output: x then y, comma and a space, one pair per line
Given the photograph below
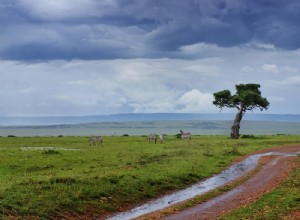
247, 97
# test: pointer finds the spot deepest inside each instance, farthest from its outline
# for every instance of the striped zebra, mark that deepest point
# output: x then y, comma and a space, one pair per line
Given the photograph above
152, 138
95, 140
185, 135
162, 138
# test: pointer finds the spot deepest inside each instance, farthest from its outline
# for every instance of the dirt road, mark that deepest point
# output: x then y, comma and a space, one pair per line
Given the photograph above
274, 170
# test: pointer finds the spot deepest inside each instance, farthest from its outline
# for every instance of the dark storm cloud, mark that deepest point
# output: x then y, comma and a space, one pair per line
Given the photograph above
143, 28
230, 23
35, 51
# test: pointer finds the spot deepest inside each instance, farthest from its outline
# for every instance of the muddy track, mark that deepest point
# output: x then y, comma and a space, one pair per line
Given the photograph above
273, 171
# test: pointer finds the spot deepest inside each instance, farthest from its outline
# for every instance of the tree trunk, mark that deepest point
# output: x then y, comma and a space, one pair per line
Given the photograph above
235, 128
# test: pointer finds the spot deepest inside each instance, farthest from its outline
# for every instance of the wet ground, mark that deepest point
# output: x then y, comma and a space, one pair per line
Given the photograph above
265, 180
278, 162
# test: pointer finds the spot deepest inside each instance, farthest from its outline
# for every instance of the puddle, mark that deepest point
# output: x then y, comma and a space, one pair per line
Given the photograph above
232, 173
48, 148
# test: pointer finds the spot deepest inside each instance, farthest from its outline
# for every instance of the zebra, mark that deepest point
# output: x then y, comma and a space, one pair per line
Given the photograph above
95, 140
152, 138
162, 138
186, 135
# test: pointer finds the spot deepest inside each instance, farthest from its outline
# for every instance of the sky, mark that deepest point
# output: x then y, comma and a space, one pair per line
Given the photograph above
92, 57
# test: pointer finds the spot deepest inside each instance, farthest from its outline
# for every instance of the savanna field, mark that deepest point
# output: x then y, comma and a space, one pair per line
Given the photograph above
52, 177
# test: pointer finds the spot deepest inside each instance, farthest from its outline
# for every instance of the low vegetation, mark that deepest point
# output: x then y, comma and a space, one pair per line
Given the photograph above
48, 177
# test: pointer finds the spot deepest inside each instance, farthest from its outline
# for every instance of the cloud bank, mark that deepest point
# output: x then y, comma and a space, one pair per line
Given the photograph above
90, 29
83, 57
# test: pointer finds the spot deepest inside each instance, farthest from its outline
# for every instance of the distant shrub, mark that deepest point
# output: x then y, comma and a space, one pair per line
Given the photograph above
125, 135
10, 135
178, 135
250, 136
60, 135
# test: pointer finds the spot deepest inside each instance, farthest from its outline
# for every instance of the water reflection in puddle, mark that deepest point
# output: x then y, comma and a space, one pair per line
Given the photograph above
228, 175
48, 148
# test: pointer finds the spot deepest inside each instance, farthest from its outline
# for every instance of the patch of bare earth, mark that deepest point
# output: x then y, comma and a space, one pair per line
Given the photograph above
294, 215
273, 171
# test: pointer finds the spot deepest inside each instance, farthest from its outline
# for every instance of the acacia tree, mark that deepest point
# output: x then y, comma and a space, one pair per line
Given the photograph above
247, 97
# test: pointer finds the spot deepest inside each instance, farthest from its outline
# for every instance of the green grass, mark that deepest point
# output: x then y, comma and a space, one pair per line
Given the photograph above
46, 177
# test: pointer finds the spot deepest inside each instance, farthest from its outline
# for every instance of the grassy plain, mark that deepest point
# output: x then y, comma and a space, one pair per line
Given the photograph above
48, 177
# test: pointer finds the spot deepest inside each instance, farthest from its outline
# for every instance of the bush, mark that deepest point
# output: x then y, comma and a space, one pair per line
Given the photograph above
10, 135
251, 136
178, 135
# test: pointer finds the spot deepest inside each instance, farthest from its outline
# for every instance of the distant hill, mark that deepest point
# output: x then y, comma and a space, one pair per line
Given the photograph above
59, 120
